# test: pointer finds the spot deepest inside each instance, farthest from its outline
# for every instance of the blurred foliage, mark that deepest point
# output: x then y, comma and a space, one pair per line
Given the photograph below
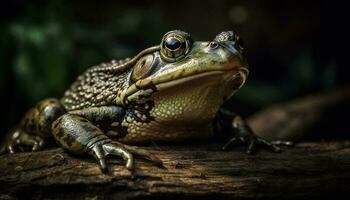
46, 44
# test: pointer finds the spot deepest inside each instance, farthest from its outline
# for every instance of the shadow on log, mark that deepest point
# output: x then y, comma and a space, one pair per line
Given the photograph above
308, 170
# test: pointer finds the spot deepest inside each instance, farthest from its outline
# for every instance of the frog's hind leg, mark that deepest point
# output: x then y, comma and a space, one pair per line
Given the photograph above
34, 127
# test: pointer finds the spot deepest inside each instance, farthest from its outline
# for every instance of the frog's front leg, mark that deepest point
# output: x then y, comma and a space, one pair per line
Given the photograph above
76, 132
239, 132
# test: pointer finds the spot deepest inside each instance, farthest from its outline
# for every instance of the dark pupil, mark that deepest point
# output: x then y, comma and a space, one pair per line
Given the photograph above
172, 43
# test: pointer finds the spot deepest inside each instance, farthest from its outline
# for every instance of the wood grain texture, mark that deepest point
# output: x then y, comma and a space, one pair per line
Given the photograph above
308, 170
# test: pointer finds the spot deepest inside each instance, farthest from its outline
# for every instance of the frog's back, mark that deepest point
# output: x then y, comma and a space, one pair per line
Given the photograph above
97, 86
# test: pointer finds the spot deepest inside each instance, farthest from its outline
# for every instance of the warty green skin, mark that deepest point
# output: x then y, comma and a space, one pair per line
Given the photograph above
149, 98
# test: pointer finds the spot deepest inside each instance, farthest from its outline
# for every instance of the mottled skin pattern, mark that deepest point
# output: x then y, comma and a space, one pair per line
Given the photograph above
171, 92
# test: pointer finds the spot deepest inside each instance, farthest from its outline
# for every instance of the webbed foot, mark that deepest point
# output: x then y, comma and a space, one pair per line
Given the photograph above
254, 141
245, 135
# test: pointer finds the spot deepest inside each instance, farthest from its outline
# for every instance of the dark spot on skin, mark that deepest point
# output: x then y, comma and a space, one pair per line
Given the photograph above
59, 132
89, 128
69, 140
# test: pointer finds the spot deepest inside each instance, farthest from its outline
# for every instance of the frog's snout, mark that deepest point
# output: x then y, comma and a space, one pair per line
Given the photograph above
235, 60
233, 44
230, 47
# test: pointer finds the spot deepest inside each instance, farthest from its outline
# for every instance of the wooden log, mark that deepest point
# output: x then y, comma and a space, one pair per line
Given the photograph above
202, 171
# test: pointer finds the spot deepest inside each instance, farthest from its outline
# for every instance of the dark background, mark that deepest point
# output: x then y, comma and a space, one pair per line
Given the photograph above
294, 48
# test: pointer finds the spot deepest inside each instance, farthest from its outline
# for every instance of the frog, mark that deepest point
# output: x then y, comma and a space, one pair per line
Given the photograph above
171, 92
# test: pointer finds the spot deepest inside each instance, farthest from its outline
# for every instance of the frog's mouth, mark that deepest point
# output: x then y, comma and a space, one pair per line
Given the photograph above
141, 90
218, 74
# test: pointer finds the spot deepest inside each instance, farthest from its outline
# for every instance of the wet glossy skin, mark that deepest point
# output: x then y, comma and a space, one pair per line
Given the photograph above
171, 92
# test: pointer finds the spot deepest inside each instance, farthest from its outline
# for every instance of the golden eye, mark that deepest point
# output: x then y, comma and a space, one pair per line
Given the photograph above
175, 45
142, 68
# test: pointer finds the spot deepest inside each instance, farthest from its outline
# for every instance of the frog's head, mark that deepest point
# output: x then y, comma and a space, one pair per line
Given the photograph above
184, 72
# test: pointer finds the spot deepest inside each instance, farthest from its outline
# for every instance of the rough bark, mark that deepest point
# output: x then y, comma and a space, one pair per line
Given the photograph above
308, 170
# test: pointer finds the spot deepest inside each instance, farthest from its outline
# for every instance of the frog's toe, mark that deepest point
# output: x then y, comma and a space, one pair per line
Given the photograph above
112, 149
254, 142
35, 142
232, 142
142, 153
21, 140
269, 145
11, 148
100, 151
252, 146
97, 152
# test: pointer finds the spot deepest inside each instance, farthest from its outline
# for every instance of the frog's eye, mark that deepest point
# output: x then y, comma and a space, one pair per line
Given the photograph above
142, 68
175, 45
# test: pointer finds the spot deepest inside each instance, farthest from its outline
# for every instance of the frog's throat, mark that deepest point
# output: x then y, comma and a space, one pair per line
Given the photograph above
142, 89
